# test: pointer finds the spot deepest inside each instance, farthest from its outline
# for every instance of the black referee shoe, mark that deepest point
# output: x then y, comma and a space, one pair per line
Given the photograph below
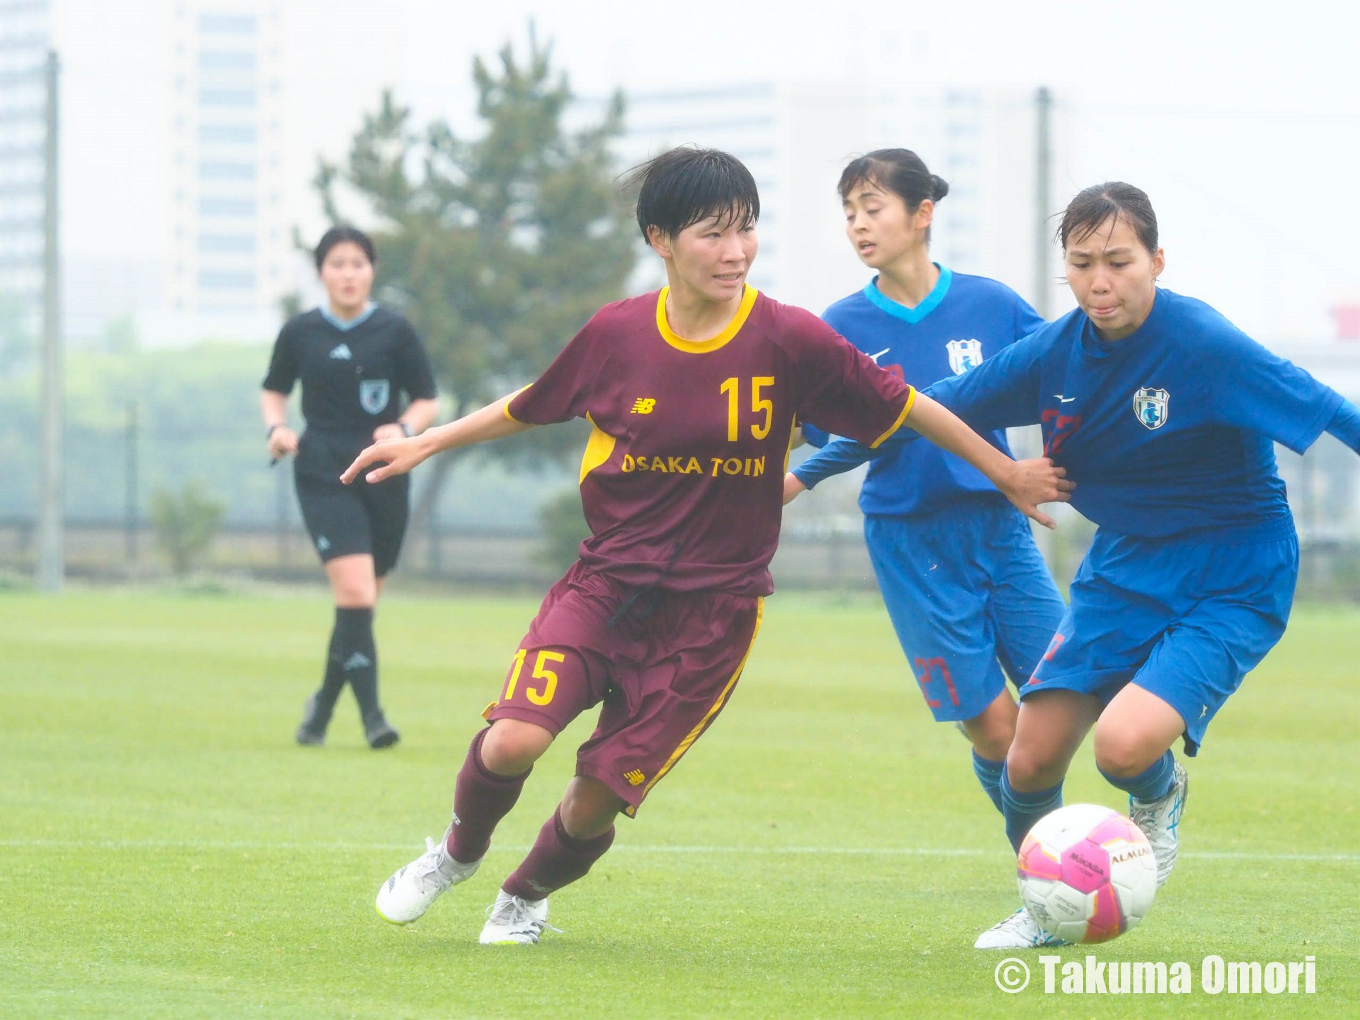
379, 733
312, 730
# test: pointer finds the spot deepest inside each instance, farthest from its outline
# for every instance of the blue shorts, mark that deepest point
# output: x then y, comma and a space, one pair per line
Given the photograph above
1185, 619
969, 595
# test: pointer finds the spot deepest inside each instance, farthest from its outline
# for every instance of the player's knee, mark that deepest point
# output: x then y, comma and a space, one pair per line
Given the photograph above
354, 589
1030, 769
511, 746
1121, 753
991, 737
589, 808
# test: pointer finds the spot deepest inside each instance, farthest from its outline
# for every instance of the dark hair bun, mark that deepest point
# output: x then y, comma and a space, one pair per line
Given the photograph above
938, 188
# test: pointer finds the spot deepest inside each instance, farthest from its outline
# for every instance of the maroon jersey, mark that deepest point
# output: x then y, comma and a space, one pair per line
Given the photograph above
683, 476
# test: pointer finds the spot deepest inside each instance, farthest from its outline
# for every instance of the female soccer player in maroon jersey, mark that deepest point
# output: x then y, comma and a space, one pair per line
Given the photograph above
692, 393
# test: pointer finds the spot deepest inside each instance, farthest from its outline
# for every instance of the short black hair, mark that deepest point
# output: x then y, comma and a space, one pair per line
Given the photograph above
340, 235
684, 185
1096, 204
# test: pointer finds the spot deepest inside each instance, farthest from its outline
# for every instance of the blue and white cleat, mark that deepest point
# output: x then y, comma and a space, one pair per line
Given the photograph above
1019, 931
1160, 821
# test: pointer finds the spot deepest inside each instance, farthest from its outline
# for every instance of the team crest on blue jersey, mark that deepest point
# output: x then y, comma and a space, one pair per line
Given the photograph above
964, 354
373, 394
1150, 406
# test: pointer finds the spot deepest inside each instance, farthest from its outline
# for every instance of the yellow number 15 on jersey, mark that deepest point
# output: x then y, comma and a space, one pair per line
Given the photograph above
759, 405
538, 695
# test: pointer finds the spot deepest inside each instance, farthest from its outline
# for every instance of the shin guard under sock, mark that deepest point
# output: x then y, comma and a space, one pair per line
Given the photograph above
480, 800
556, 859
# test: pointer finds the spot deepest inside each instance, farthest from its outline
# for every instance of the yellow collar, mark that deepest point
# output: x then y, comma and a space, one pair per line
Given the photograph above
713, 343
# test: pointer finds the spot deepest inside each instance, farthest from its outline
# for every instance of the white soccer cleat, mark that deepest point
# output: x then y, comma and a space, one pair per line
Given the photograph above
409, 893
511, 919
1160, 821
1019, 931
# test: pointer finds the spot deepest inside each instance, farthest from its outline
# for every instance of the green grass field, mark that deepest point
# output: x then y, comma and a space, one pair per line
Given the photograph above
823, 852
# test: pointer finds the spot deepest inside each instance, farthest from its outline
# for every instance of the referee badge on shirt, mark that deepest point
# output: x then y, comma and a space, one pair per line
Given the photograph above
1150, 406
964, 354
373, 394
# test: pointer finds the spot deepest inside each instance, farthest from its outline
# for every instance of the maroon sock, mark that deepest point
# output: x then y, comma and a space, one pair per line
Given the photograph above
555, 860
480, 800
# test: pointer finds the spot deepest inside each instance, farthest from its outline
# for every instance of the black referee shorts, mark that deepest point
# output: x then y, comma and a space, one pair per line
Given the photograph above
345, 520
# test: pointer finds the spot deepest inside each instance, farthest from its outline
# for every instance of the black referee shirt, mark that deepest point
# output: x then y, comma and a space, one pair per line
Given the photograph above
350, 377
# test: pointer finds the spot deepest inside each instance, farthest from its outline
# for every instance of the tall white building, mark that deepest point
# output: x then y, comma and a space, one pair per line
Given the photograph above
228, 250
24, 44
797, 136
190, 133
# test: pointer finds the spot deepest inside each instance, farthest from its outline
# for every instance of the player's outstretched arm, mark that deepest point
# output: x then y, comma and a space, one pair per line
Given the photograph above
399, 456
1026, 483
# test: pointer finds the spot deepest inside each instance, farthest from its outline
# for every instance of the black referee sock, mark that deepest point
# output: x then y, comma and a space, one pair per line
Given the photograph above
356, 657
332, 684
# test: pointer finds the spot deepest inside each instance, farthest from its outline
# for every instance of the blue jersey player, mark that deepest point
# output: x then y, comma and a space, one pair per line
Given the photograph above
1164, 415
964, 585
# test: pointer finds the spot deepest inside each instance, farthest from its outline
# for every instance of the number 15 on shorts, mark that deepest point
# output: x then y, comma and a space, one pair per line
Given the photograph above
542, 692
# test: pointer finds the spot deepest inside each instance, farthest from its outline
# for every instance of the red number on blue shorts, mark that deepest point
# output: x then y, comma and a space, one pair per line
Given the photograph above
924, 668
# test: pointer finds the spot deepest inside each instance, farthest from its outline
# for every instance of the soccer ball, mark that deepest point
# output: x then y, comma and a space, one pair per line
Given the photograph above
1087, 874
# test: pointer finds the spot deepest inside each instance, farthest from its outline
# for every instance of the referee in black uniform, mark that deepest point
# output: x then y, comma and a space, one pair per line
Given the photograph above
354, 359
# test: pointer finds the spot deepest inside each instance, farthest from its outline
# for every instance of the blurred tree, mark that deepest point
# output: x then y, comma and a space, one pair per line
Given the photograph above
498, 249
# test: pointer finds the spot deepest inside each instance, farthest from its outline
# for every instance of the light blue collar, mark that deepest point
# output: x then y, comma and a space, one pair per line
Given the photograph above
913, 315
345, 325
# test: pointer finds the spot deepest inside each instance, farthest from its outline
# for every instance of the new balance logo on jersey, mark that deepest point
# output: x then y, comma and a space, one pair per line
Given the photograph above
635, 777
357, 661
964, 354
1150, 406
322, 543
643, 405
341, 352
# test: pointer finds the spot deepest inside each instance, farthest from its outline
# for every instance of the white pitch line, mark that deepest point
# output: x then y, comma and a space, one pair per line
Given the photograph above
810, 851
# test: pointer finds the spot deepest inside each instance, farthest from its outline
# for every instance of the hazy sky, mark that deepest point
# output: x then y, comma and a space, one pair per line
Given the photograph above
1243, 127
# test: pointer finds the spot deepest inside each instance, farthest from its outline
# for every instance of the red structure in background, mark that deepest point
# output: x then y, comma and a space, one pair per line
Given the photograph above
1347, 321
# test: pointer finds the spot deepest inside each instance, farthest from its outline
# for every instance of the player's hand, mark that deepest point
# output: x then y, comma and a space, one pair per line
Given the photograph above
792, 487
1038, 481
283, 441
397, 456
392, 431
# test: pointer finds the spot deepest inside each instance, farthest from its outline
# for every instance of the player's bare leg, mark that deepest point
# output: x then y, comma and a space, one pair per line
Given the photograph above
498, 762
573, 839
1132, 743
1050, 726
991, 732
993, 729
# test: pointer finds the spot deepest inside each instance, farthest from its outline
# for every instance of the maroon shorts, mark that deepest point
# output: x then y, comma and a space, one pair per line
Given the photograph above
664, 666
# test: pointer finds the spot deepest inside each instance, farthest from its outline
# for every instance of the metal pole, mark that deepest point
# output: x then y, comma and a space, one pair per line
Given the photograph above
51, 554
130, 494
1043, 104
1043, 170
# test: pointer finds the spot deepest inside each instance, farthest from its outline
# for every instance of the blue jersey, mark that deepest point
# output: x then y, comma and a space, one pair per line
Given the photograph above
1166, 432
961, 322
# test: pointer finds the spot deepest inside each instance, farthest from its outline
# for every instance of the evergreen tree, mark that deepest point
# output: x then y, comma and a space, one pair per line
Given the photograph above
497, 248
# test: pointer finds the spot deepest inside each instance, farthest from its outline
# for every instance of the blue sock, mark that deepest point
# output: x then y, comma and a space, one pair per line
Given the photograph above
1153, 783
989, 775
1022, 810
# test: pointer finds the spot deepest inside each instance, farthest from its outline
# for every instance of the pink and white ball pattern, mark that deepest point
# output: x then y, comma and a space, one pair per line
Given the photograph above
1087, 874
